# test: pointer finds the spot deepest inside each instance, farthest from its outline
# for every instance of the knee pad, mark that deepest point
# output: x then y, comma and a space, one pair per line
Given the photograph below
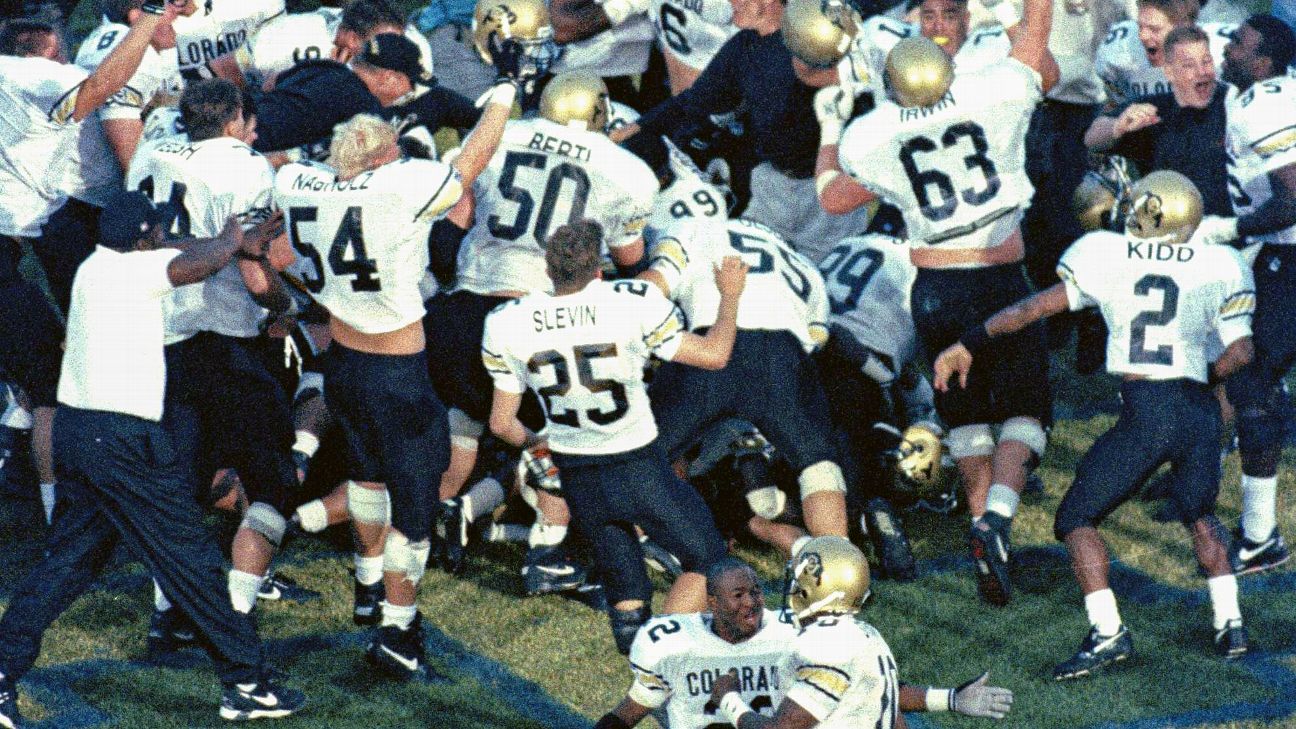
465, 432
402, 555
767, 502
309, 386
820, 477
1026, 431
1071, 517
368, 506
265, 520
968, 441
1259, 429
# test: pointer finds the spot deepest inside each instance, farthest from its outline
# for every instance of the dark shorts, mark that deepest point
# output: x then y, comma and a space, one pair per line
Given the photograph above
1010, 379
1172, 421
1257, 386
394, 427
856, 402
608, 495
31, 342
769, 380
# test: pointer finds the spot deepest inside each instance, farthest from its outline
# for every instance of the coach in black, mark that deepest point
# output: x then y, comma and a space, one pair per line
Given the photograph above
121, 478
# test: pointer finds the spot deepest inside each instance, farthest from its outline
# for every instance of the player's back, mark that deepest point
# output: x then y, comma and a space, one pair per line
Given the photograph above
206, 181
219, 27
693, 30
956, 169
545, 175
679, 657
1164, 304
1261, 139
363, 241
868, 278
288, 40
843, 673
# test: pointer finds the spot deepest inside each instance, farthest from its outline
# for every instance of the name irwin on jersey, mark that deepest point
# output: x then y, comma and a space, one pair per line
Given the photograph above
750, 679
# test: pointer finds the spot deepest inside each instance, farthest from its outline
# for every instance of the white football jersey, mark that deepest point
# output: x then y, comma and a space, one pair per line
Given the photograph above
784, 290
843, 673
37, 134
864, 65
1261, 138
207, 182
677, 658
363, 242
94, 174
545, 175
1123, 66
688, 195
956, 169
868, 279
584, 356
1169, 308
621, 50
163, 122
219, 27
692, 31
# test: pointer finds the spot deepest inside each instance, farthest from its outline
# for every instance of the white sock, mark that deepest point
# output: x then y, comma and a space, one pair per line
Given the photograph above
508, 533
1259, 506
546, 535
160, 601
1102, 610
18, 418
243, 589
306, 443
401, 616
1002, 500
368, 569
482, 498
47, 501
313, 516
1224, 599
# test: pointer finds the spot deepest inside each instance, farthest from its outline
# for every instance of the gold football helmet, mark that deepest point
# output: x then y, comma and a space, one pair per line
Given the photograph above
1093, 201
523, 21
819, 31
1166, 208
920, 453
918, 72
828, 576
576, 98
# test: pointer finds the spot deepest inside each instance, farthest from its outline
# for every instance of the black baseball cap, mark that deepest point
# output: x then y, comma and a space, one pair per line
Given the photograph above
395, 52
129, 217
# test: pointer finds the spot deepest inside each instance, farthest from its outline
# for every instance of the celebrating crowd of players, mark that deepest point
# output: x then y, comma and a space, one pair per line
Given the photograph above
699, 270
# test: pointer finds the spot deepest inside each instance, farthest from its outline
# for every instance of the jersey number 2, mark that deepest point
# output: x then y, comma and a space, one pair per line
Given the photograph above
585, 372
1163, 354
349, 238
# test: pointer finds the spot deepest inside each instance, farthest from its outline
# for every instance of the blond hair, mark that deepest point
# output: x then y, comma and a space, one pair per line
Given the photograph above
358, 143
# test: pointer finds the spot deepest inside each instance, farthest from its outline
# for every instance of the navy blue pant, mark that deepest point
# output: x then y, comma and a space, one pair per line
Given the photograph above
67, 239
120, 479
608, 495
1255, 390
1170, 421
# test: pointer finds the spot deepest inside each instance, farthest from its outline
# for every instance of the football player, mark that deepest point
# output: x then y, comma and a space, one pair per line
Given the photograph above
610, 40
1131, 58
1261, 144
1169, 305
364, 222
525, 24
947, 149
220, 27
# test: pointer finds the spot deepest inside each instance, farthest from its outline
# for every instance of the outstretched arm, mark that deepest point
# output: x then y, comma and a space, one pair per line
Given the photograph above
957, 358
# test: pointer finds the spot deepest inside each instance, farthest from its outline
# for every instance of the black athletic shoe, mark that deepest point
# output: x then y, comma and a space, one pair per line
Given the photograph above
278, 587
889, 540
1096, 652
9, 716
549, 569
990, 550
265, 699
626, 624
1250, 557
1231, 640
660, 559
451, 527
169, 631
368, 603
401, 654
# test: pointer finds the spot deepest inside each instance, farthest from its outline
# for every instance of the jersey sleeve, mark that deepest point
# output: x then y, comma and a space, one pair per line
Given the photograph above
662, 325
670, 260
1233, 321
634, 206
1268, 124
818, 307
1077, 273
128, 103
57, 97
506, 372
651, 687
821, 675
444, 184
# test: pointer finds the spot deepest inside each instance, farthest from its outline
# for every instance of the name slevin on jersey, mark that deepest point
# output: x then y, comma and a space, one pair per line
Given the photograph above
868, 279
584, 355
1261, 139
1170, 309
955, 169
1123, 66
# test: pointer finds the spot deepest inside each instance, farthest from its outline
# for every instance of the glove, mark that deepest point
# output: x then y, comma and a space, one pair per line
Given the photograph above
503, 92
1216, 230
833, 107
158, 7
975, 698
509, 57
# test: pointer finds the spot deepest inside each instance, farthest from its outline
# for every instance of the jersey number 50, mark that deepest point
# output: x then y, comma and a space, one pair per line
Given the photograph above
508, 187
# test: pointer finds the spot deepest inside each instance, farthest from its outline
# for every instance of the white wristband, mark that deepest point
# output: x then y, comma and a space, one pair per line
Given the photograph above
733, 707
618, 10
1006, 13
503, 94
939, 699
830, 132
825, 179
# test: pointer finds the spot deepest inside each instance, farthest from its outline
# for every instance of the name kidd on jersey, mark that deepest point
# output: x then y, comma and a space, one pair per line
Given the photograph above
564, 317
1158, 251
911, 113
546, 143
320, 184
750, 678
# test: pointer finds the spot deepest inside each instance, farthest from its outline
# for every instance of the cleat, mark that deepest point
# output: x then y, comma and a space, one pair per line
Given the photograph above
1096, 652
368, 603
401, 654
301, 464
889, 540
278, 587
990, 545
1034, 485
548, 570
451, 527
1231, 640
1248, 557
9, 716
169, 631
265, 699
590, 595
626, 624
660, 559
